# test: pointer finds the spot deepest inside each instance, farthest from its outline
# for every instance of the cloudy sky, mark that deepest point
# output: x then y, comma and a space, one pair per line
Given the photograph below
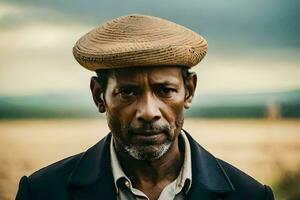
254, 46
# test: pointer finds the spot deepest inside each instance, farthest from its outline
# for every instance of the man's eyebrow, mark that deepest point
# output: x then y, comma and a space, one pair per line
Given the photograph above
130, 85
167, 82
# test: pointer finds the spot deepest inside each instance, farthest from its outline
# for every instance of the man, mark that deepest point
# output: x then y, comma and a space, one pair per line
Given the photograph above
143, 86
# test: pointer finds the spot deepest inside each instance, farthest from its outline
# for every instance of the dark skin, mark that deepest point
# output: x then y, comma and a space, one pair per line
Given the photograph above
145, 113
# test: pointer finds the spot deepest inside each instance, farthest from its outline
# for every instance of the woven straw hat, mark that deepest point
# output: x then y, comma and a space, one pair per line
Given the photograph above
139, 40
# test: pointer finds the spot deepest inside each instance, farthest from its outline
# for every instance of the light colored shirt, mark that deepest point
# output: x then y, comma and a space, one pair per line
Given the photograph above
176, 190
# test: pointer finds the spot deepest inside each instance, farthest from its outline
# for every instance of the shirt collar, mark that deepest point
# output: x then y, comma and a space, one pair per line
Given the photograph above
117, 171
184, 178
185, 174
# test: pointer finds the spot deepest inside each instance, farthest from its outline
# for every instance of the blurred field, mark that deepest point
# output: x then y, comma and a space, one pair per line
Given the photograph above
262, 148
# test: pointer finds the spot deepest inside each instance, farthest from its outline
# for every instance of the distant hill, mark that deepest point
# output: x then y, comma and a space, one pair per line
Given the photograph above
68, 105
252, 105
80, 105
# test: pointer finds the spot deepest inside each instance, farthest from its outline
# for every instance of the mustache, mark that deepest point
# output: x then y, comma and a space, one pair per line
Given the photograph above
148, 129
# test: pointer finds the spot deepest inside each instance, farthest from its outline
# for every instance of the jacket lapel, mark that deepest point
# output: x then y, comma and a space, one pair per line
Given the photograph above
201, 193
209, 180
96, 191
92, 177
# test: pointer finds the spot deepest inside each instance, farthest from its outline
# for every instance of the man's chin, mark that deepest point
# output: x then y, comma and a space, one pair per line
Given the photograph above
150, 152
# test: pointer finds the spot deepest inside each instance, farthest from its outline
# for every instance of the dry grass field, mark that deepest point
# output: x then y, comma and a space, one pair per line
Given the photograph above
262, 148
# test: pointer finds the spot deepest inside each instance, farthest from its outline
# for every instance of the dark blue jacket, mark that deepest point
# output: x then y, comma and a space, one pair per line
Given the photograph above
88, 176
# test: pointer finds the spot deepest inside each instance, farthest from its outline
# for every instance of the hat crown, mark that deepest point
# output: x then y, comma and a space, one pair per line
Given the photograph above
138, 25
139, 40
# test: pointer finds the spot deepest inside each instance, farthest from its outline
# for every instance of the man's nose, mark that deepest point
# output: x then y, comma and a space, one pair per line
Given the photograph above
148, 109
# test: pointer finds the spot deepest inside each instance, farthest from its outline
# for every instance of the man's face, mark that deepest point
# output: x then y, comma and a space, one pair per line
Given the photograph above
144, 109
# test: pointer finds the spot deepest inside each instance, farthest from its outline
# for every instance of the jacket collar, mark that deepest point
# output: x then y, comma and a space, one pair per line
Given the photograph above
92, 176
208, 175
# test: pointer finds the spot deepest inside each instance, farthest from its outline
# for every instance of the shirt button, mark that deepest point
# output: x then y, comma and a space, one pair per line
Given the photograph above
127, 184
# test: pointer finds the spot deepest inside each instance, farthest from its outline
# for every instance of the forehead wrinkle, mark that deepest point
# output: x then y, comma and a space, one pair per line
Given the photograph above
135, 77
169, 77
166, 81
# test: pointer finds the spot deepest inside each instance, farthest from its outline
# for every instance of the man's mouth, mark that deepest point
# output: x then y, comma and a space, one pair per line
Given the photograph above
148, 138
148, 132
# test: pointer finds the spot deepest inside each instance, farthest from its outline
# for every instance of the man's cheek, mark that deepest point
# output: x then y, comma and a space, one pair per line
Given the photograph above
113, 122
174, 116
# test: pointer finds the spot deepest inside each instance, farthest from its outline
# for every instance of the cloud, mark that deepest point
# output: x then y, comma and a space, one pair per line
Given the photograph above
13, 16
248, 51
247, 74
38, 58
268, 22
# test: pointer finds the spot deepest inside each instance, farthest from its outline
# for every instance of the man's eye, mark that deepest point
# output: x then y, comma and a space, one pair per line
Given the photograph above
127, 92
166, 91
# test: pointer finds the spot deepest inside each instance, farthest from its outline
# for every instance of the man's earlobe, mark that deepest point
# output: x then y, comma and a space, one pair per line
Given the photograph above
187, 105
190, 88
97, 93
101, 108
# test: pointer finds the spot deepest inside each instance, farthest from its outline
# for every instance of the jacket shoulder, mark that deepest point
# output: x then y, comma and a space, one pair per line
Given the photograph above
59, 168
53, 179
222, 179
245, 185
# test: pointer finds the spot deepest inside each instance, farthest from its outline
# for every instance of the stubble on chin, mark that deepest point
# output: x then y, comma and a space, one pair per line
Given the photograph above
138, 152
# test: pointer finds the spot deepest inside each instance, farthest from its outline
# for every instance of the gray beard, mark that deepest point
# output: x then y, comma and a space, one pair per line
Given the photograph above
137, 151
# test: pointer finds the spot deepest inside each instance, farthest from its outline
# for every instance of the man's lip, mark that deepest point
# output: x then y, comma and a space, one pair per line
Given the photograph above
148, 133
149, 138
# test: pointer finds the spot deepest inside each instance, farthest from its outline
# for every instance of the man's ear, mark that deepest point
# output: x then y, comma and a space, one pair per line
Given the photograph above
190, 88
98, 94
